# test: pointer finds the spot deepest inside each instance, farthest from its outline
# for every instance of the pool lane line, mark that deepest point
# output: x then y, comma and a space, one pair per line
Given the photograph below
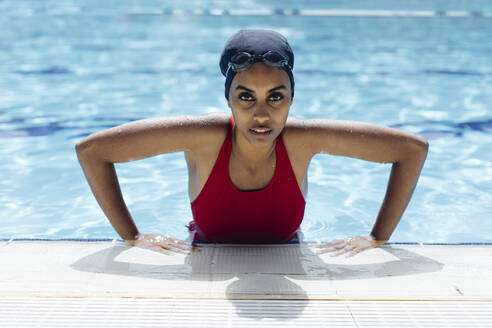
314, 13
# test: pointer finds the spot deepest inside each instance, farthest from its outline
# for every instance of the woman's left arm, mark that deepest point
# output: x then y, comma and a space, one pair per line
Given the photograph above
374, 143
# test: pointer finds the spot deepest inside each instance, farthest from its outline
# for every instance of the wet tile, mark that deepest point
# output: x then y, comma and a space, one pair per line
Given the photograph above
234, 272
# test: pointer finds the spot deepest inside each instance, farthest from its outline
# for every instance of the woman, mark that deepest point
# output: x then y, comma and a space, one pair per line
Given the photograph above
247, 173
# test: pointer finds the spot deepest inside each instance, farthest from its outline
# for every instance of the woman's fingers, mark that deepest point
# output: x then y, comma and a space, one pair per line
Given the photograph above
345, 249
331, 243
178, 246
165, 244
353, 252
172, 249
176, 243
350, 247
159, 249
186, 247
332, 246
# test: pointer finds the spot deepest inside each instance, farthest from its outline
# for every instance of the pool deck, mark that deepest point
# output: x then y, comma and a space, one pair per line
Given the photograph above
110, 284
290, 271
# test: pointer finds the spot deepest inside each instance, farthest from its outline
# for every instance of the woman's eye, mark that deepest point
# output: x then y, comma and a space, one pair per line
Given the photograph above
276, 96
244, 96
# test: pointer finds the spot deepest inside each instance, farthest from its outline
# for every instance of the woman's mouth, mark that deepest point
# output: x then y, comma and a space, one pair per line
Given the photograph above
262, 131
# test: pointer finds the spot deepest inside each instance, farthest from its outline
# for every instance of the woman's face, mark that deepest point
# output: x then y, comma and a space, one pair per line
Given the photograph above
260, 98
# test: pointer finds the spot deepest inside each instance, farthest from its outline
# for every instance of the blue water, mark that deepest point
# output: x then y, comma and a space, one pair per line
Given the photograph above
68, 69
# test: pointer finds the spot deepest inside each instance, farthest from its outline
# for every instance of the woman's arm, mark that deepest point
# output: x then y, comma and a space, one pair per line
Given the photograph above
98, 152
374, 143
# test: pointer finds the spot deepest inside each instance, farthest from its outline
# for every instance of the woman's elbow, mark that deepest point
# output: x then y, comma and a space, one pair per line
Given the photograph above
423, 147
418, 149
84, 148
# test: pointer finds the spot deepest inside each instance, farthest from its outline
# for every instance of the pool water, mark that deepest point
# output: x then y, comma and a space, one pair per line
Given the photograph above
70, 69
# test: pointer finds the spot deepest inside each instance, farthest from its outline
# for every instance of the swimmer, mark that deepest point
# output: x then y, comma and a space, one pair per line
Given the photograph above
248, 172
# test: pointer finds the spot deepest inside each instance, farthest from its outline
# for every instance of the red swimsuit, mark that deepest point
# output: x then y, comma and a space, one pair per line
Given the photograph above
224, 214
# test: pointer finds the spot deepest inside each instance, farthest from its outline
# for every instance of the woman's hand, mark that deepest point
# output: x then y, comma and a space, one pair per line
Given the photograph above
163, 244
350, 246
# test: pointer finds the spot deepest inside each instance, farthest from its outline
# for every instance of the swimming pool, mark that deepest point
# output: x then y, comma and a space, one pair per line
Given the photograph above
71, 69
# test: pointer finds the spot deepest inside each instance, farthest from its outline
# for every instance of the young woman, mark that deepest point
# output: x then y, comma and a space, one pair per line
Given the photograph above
247, 173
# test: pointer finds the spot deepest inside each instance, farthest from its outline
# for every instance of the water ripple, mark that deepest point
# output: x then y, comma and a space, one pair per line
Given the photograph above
454, 129
52, 70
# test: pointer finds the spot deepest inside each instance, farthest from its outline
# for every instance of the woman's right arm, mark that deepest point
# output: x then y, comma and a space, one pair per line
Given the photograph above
98, 152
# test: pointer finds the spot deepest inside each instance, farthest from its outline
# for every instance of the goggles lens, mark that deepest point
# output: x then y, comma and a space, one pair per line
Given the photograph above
243, 60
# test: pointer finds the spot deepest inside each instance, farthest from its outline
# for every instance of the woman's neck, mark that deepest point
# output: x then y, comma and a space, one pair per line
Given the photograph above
251, 155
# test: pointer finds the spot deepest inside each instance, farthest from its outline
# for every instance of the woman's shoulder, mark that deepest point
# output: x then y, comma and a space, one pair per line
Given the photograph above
208, 129
215, 124
297, 124
159, 135
298, 129
305, 134
313, 127
200, 134
216, 120
347, 138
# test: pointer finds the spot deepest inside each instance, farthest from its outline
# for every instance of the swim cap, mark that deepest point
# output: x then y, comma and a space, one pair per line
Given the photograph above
255, 42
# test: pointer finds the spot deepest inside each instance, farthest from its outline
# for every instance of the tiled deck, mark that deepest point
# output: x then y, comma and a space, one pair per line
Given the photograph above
375, 287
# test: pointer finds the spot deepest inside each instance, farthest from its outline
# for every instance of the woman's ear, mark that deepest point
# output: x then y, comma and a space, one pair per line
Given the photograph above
228, 103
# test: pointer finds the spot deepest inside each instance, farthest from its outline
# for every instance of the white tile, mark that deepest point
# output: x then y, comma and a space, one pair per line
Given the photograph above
128, 312
242, 271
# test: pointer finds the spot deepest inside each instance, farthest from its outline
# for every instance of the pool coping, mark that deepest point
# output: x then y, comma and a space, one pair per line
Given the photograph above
111, 268
98, 240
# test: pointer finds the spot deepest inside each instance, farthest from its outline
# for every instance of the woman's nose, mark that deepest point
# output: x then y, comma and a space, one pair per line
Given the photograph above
261, 115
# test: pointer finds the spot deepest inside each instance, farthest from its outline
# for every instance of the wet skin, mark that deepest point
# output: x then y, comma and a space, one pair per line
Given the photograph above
259, 99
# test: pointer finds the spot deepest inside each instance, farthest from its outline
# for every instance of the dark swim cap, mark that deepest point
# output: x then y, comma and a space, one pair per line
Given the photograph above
255, 42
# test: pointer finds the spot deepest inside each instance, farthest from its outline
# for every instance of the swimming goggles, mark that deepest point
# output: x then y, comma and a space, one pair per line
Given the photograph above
243, 60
